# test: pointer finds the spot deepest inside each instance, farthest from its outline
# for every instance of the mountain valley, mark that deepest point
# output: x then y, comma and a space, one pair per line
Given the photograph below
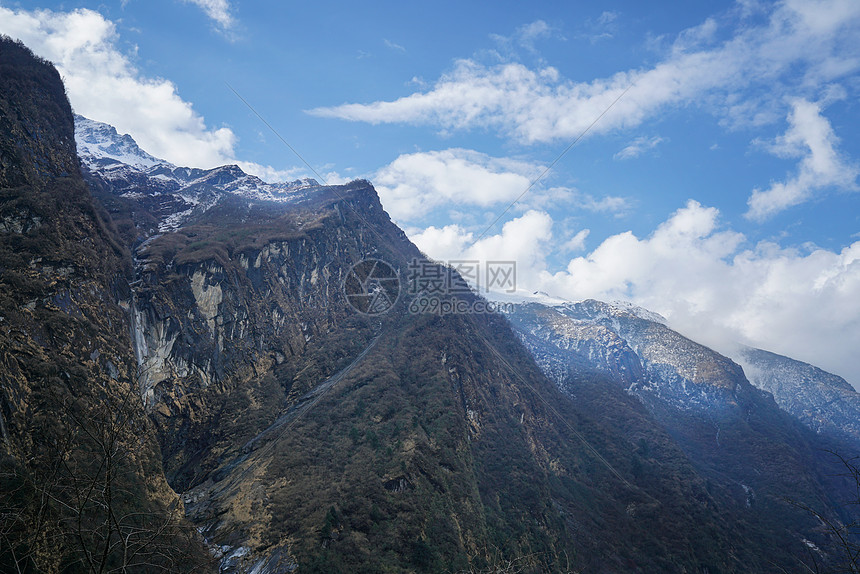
180, 344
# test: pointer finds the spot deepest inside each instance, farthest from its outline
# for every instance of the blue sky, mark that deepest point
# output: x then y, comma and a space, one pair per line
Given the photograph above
720, 189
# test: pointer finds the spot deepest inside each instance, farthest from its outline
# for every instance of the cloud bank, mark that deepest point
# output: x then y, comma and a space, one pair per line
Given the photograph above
810, 138
740, 73
706, 280
539, 106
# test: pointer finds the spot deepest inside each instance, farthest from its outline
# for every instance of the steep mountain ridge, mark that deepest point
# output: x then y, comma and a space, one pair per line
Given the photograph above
824, 402
733, 434
427, 452
268, 323
598, 336
303, 434
170, 195
38, 144
100, 145
632, 347
81, 485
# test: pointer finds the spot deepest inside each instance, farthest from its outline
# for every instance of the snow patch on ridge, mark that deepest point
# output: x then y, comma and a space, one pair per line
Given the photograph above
116, 158
522, 296
98, 141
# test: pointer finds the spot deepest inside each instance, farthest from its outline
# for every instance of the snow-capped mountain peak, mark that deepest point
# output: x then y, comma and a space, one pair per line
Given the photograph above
544, 298
638, 311
174, 194
100, 145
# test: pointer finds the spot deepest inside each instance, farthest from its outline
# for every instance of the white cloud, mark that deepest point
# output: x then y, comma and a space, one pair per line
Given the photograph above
607, 17
414, 184
394, 46
523, 240
537, 29
270, 174
331, 177
417, 81
528, 34
524, 37
609, 203
103, 84
577, 242
799, 303
603, 28
810, 138
553, 197
704, 279
218, 10
695, 37
638, 146
535, 105
675, 253
442, 243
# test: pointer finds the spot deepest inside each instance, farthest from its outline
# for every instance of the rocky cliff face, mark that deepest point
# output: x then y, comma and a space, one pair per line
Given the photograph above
38, 141
301, 433
81, 472
636, 350
214, 317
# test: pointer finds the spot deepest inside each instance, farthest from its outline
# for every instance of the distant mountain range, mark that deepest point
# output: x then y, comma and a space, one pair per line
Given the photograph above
824, 402
192, 331
635, 348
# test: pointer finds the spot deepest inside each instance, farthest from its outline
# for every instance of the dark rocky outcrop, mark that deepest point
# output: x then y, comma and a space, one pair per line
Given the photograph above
81, 484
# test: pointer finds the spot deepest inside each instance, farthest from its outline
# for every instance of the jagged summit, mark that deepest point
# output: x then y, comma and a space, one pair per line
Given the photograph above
100, 146
115, 161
